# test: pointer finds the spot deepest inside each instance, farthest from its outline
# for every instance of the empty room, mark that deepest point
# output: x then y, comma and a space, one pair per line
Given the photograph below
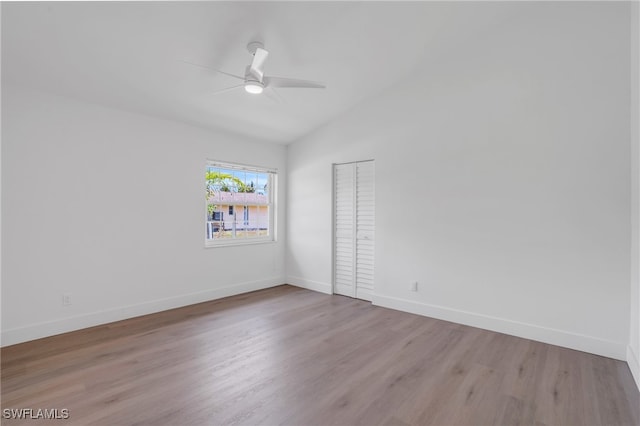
320, 213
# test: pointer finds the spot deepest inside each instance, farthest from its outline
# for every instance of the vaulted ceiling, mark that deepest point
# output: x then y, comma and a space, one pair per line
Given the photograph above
130, 55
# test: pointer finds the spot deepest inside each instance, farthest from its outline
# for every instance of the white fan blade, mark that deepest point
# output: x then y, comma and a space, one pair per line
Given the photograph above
259, 59
217, 92
213, 69
271, 93
230, 75
292, 82
276, 94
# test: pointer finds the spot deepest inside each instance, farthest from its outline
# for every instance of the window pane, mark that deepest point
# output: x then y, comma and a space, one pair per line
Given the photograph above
262, 184
256, 212
262, 220
250, 182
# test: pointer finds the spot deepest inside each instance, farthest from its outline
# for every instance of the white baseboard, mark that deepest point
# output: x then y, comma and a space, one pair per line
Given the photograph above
608, 348
310, 285
50, 328
634, 365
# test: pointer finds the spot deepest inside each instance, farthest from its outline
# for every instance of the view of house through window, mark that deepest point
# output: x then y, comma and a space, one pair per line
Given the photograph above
239, 203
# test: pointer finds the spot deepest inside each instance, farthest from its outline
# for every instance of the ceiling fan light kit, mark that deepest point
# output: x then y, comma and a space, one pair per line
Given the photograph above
253, 87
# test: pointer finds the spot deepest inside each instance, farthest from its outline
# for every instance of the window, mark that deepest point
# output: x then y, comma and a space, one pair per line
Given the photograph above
246, 194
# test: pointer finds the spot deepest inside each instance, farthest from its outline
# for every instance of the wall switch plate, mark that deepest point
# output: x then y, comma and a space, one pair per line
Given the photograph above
413, 286
66, 299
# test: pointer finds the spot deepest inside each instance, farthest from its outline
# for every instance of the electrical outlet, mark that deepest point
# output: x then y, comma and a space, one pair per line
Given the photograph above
413, 286
66, 299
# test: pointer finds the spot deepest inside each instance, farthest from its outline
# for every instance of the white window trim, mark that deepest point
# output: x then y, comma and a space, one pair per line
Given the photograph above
272, 193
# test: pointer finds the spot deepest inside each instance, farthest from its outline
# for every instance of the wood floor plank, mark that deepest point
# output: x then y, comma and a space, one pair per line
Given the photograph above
288, 356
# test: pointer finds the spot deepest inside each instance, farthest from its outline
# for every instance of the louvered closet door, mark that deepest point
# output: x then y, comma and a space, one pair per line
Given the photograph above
344, 250
365, 222
354, 229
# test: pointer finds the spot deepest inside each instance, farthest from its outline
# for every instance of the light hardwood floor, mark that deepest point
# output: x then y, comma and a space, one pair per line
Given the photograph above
291, 356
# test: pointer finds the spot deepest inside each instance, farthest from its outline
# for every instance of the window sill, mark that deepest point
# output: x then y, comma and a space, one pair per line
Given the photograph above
232, 243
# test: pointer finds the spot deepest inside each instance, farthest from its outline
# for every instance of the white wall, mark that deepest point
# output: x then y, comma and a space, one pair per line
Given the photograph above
109, 206
514, 152
633, 354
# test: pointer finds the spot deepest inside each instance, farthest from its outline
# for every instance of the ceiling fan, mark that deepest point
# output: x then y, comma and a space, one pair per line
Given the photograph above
254, 80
